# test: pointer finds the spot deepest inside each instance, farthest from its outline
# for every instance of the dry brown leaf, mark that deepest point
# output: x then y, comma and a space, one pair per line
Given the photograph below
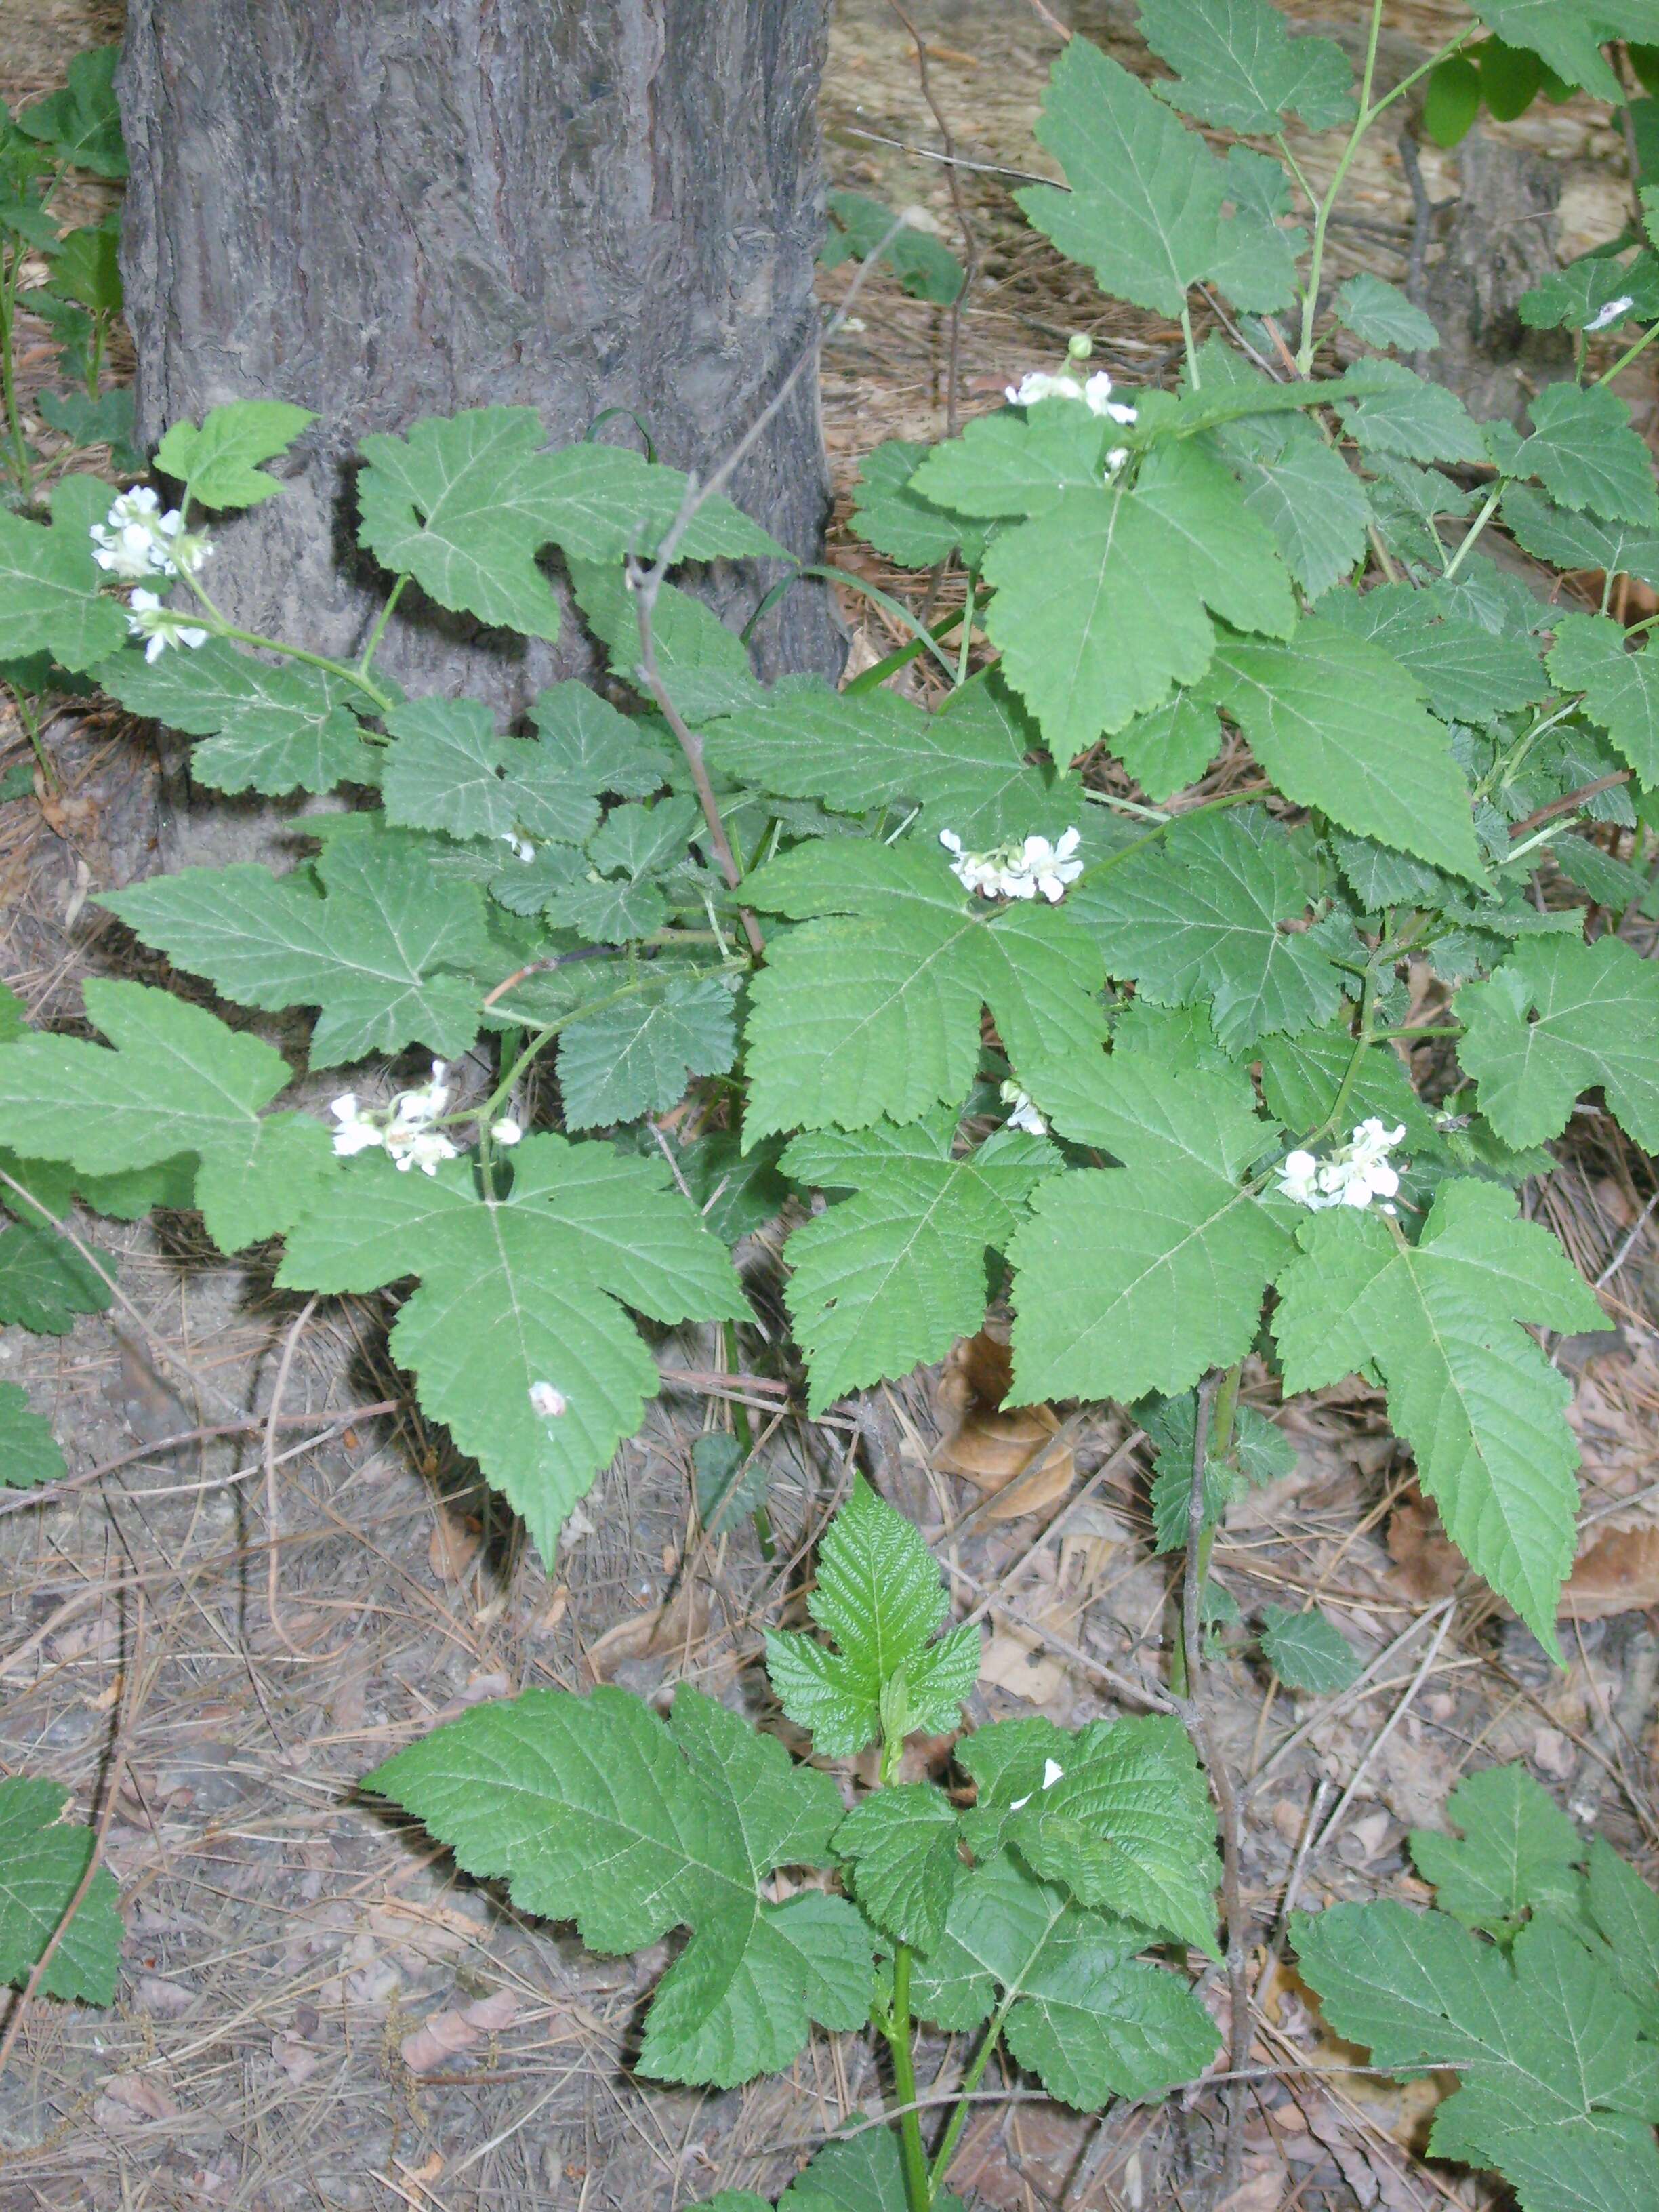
294, 2056
1426, 1564
128, 2099
989, 1444
452, 1545
663, 1630
1620, 1573
445, 2033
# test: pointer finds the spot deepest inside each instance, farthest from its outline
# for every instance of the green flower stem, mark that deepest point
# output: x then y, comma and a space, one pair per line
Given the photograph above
1187, 340
1321, 219
9, 376
1164, 826
1487, 513
1628, 354
918, 2189
1221, 1443
1368, 115
343, 669
970, 2081
1363, 1043
366, 658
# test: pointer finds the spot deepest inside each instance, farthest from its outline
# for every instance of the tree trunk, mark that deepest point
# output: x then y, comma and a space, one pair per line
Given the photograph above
416, 206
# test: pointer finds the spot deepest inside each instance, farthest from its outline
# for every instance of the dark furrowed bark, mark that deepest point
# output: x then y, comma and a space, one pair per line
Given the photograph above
381, 212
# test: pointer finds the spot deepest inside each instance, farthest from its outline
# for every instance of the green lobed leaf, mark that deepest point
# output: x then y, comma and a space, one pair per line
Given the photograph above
902, 1845
44, 1284
879, 1596
86, 267
1549, 2065
1567, 540
1145, 205
1626, 1912
1301, 1076
49, 593
727, 1481
1468, 1390
1558, 1016
1468, 673
1585, 453
890, 514
965, 767
1171, 747
864, 2174
636, 1057
873, 1009
106, 421
704, 666
1585, 289
1621, 688
1307, 1650
1140, 1277
29, 1453
1338, 724
367, 933
1307, 494
1406, 415
42, 1862
177, 1081
1100, 606
1198, 918
1517, 1854
1125, 1823
218, 462
1379, 314
595, 1810
897, 1274
523, 1290
1568, 34
1259, 1453
81, 122
1237, 69
1082, 2016
736, 1191
925, 268
464, 503
271, 727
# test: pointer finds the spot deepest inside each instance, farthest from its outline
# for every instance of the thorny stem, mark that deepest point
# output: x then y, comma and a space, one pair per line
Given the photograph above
1198, 1723
645, 585
959, 208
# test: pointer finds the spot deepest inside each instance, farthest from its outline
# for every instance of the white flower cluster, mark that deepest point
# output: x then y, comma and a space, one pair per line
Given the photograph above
1095, 392
1614, 312
546, 1402
136, 541
404, 1128
1021, 869
163, 626
1022, 1115
1354, 1175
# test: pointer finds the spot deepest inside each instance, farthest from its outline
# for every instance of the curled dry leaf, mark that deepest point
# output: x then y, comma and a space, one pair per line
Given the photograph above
452, 1545
1618, 1573
991, 1444
659, 1633
448, 2032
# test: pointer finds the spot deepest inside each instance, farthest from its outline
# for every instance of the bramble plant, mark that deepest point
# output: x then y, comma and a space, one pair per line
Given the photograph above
791, 907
